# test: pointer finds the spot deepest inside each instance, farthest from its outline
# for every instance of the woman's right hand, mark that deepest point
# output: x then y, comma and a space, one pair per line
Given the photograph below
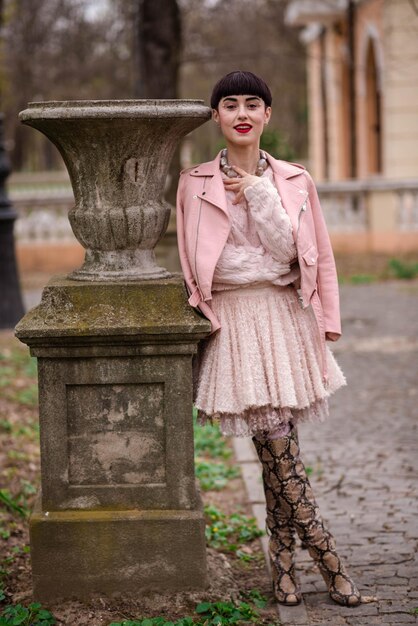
238, 185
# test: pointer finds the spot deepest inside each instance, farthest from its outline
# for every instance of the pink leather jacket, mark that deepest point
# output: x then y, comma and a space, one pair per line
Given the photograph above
203, 226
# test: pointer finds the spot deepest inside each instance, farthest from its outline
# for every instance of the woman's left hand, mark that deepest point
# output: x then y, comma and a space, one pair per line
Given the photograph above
332, 336
239, 184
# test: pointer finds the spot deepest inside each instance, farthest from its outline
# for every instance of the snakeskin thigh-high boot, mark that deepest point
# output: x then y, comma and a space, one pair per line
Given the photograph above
286, 588
287, 478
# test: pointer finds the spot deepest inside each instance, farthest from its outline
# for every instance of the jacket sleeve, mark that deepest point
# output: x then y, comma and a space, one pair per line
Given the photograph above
195, 298
191, 285
327, 279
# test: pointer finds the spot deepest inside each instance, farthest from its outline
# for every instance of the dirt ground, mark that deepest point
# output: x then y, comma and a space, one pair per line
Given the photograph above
20, 475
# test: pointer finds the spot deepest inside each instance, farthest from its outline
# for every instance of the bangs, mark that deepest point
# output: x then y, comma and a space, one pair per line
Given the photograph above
239, 84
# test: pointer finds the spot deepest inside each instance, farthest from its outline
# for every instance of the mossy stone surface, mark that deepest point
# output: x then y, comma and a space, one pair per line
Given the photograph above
71, 308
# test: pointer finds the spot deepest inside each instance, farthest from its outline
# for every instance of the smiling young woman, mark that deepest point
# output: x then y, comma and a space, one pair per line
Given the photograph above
258, 263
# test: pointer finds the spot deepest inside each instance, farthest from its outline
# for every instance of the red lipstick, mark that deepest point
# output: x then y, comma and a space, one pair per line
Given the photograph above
243, 128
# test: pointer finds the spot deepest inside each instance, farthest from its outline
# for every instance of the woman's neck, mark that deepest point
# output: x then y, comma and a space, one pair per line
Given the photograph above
246, 157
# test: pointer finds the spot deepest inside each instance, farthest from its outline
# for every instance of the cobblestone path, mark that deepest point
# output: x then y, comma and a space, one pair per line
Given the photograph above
364, 461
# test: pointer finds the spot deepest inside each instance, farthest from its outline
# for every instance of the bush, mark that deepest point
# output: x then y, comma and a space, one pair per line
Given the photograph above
403, 269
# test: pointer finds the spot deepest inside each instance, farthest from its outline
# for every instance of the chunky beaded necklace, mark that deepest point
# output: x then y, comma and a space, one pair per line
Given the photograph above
231, 173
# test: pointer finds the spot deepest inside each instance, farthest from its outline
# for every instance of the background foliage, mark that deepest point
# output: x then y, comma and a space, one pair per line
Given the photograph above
88, 49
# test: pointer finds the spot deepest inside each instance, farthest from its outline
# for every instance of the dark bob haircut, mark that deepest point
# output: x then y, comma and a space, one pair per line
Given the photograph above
239, 84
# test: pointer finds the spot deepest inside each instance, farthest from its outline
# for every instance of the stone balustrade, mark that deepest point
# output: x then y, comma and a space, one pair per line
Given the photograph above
43, 219
346, 204
350, 207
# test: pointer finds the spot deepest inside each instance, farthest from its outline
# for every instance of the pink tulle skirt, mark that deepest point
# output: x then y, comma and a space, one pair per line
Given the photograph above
262, 369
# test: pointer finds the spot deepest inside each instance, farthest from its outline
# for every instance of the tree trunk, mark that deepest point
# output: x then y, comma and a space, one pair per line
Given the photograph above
158, 41
158, 47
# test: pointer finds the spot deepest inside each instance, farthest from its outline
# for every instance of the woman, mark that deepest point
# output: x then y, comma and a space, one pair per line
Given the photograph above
258, 263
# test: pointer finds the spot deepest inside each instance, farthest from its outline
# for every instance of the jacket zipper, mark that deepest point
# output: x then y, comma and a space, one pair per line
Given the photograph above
197, 234
302, 209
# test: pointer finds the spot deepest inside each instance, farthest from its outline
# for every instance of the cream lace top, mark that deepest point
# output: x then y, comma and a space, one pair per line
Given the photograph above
260, 246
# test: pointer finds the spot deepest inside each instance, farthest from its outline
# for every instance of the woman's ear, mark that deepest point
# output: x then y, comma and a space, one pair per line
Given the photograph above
215, 116
267, 115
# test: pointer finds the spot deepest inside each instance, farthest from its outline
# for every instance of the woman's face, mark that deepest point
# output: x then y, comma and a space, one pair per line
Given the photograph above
242, 119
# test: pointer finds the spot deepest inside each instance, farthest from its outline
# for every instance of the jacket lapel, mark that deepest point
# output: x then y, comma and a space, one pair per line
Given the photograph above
292, 193
214, 190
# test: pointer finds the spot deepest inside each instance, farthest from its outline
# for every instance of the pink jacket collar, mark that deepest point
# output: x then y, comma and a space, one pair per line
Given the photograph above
293, 193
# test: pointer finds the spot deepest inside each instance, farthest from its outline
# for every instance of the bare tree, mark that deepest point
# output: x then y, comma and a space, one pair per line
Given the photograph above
157, 55
54, 51
158, 46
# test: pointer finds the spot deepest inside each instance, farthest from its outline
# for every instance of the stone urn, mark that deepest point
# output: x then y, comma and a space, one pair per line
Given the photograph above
117, 153
118, 510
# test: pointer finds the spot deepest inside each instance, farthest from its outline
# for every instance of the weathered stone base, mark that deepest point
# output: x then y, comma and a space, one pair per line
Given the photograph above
82, 553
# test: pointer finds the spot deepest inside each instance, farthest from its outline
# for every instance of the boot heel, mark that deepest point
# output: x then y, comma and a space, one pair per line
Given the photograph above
341, 587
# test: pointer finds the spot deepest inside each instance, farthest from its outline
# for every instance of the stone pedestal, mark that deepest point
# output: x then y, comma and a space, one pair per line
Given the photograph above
79, 553
119, 510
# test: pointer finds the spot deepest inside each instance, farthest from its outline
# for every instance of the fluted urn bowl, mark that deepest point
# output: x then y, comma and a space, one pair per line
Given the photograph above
117, 153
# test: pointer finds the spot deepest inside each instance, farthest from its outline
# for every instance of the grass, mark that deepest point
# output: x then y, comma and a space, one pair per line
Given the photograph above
4, 532
5, 426
30, 431
3, 574
18, 378
19, 435
155, 621
224, 532
210, 444
230, 532
404, 270
214, 614
12, 503
231, 613
208, 440
14, 553
362, 268
214, 476
19, 503
362, 279
256, 597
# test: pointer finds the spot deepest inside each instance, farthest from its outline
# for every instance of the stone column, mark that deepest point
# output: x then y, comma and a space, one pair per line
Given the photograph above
118, 510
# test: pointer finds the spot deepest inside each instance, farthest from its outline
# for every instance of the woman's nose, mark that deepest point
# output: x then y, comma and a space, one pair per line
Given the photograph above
242, 113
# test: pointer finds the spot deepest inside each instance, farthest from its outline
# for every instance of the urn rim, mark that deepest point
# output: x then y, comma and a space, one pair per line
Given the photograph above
139, 108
